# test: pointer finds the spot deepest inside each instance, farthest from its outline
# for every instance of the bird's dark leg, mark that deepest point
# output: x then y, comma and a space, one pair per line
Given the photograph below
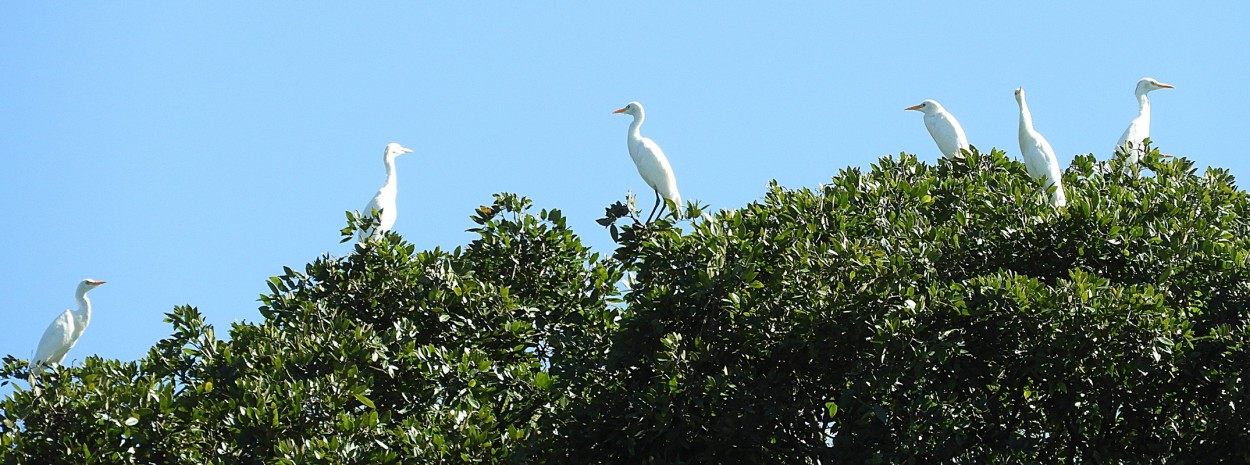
654, 207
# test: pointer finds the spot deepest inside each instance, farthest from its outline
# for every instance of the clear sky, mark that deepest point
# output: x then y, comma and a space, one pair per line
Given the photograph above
186, 151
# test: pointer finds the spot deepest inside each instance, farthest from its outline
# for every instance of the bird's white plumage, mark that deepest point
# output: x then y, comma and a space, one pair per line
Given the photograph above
647, 156
56, 340
385, 201
946, 131
1039, 157
1139, 129
66, 329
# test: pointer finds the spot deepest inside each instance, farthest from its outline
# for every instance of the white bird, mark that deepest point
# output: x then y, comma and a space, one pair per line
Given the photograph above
942, 125
1139, 129
1039, 158
384, 200
65, 330
651, 162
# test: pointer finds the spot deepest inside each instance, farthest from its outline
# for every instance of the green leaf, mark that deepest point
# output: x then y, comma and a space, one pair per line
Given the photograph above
363, 400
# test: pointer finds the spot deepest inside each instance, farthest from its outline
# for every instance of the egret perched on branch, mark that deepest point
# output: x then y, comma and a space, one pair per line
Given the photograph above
1039, 158
1139, 129
942, 125
384, 200
651, 162
65, 330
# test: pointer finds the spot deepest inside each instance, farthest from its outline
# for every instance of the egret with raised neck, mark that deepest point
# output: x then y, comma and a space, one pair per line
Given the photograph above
1039, 158
1139, 129
66, 329
385, 200
651, 162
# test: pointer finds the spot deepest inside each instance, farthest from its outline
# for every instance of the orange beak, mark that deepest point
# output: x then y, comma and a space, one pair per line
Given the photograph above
1166, 86
622, 110
97, 283
914, 107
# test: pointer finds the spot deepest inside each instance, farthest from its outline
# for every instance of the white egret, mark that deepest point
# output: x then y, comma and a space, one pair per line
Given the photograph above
1039, 158
65, 330
384, 200
651, 162
942, 125
1139, 129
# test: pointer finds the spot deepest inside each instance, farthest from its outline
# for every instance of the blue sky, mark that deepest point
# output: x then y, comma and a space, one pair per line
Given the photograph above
185, 152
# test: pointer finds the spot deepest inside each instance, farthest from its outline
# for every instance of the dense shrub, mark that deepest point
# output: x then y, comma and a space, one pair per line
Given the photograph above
907, 313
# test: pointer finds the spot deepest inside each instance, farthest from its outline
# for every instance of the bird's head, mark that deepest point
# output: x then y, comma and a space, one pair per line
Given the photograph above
1148, 84
632, 109
927, 107
1020, 95
395, 150
88, 284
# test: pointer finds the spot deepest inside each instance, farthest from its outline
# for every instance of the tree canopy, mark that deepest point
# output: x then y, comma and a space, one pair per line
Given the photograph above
902, 313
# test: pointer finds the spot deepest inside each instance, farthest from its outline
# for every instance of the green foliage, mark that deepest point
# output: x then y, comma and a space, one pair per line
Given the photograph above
906, 313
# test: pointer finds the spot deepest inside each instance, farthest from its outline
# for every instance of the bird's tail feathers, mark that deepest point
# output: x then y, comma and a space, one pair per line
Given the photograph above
1058, 198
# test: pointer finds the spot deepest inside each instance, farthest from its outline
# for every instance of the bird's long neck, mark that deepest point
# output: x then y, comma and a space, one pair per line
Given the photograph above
391, 178
1143, 108
1026, 118
635, 131
84, 308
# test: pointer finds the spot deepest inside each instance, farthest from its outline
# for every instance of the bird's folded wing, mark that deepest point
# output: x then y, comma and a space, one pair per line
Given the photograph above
56, 339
